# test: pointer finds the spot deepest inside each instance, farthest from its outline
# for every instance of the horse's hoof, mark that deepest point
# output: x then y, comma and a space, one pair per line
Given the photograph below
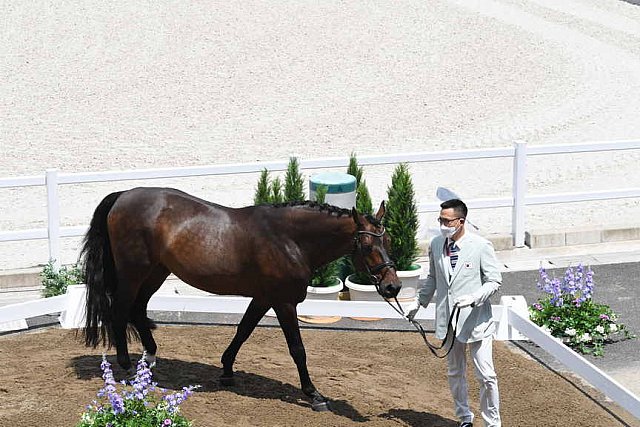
320, 405
227, 381
151, 361
131, 374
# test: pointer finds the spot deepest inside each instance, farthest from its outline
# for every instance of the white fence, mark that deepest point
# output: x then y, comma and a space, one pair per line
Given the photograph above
511, 318
518, 201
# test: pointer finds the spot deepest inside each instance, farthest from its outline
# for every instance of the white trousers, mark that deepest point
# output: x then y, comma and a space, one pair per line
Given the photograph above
481, 353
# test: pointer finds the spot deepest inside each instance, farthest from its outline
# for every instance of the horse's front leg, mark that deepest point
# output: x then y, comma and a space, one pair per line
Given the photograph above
287, 316
252, 316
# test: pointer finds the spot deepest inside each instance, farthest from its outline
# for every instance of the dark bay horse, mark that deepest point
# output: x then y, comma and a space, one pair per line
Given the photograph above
267, 252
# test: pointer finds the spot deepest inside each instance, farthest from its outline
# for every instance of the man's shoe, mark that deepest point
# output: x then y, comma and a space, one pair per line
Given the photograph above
465, 424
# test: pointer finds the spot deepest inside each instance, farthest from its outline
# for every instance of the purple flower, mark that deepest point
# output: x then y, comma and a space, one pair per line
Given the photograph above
174, 400
167, 422
604, 317
109, 388
142, 383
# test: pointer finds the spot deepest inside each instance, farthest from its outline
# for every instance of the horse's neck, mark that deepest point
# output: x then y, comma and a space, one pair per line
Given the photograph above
324, 237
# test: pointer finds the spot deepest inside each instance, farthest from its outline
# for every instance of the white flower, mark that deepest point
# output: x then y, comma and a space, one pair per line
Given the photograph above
570, 332
600, 329
585, 337
546, 329
613, 327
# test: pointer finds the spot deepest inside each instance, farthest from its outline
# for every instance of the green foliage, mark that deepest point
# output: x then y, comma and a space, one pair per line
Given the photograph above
327, 274
353, 169
401, 219
585, 328
363, 205
263, 193
56, 282
293, 182
363, 199
276, 191
321, 193
568, 312
273, 191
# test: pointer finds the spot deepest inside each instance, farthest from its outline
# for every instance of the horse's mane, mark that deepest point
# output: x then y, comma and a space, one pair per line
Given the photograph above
331, 209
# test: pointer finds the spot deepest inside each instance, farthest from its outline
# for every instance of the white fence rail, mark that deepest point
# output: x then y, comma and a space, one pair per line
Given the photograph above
512, 321
518, 201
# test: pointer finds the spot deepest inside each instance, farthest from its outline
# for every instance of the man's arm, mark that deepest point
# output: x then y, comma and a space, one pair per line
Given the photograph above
428, 287
489, 274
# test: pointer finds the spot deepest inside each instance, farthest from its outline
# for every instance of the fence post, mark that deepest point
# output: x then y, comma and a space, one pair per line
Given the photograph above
519, 193
53, 217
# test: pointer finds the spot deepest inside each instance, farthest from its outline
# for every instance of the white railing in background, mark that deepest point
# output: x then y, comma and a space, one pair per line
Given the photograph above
511, 318
518, 201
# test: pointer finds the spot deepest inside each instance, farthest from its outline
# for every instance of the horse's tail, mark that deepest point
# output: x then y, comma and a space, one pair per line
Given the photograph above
100, 276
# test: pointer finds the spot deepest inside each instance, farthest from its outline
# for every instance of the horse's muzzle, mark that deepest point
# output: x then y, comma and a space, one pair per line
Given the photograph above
390, 290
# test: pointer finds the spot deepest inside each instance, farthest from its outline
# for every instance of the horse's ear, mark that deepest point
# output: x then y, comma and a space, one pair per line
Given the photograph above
356, 216
381, 211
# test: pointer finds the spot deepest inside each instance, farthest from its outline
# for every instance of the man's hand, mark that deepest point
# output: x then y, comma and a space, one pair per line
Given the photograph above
413, 309
465, 301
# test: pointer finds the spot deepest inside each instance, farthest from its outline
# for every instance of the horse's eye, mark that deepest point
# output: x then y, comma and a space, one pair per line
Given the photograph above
367, 248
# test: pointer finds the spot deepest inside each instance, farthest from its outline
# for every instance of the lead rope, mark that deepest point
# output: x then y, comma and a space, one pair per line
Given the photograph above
450, 332
420, 329
400, 311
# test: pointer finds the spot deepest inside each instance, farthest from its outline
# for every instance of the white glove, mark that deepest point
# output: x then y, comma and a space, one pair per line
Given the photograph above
465, 301
413, 309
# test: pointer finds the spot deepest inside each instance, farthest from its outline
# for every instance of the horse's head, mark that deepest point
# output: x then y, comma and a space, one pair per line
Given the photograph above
371, 255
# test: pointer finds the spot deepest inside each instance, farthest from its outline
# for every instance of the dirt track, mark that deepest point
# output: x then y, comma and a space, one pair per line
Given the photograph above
373, 379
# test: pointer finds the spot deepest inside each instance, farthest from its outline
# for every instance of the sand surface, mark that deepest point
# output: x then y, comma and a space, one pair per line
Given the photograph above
94, 86
372, 379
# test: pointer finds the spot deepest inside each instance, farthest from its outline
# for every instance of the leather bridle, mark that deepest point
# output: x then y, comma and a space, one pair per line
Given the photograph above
376, 269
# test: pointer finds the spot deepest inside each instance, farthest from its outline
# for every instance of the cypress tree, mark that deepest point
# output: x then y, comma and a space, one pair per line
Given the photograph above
262, 194
363, 199
293, 182
276, 191
401, 218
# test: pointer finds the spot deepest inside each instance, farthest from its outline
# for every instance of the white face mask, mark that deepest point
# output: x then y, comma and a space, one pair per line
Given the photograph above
448, 232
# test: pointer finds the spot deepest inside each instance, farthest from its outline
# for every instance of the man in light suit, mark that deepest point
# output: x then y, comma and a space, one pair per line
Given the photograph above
463, 270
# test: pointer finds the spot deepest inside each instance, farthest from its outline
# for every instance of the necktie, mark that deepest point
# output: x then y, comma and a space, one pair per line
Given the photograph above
453, 254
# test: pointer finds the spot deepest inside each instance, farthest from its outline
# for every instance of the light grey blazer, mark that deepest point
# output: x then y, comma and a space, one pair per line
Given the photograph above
477, 273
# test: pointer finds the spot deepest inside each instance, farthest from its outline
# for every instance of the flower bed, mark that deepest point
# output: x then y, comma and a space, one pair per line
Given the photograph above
140, 403
568, 312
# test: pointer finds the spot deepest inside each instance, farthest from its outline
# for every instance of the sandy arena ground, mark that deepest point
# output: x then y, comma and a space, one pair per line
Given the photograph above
94, 86
361, 372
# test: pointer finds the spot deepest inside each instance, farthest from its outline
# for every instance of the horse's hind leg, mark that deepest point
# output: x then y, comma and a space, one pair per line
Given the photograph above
139, 310
130, 278
123, 301
252, 316
287, 316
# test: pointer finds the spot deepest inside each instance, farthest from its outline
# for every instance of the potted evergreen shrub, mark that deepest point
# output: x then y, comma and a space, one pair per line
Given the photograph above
401, 223
359, 283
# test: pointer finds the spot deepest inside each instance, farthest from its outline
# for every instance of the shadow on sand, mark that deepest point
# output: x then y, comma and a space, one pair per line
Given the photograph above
174, 374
